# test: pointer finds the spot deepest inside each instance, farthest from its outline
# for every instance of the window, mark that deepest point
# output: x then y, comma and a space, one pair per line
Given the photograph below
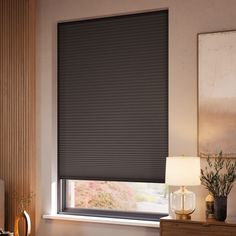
113, 115
117, 196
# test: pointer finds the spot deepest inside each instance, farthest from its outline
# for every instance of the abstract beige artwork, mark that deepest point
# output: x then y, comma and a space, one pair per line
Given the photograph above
217, 93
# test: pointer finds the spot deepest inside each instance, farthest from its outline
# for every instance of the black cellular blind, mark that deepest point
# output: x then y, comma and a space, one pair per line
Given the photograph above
113, 98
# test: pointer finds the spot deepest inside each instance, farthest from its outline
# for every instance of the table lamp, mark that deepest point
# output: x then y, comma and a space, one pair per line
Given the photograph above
183, 171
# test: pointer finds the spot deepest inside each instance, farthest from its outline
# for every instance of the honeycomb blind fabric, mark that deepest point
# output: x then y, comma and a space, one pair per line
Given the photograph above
113, 98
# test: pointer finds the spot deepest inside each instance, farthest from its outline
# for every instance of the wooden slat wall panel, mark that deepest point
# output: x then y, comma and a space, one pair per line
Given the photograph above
17, 103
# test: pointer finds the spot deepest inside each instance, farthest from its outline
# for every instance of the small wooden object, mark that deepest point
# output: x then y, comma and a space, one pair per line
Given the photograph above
198, 227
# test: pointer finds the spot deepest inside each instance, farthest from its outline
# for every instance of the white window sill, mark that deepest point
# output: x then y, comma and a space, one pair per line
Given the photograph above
103, 220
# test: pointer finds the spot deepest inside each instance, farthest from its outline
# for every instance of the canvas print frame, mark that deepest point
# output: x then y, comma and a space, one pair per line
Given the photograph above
217, 94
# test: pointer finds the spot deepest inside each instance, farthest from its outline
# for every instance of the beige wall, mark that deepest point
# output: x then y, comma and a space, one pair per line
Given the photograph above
187, 18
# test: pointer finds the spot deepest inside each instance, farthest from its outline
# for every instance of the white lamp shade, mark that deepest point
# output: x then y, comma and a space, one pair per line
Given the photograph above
183, 171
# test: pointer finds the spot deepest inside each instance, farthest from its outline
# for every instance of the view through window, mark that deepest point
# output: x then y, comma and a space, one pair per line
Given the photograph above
120, 196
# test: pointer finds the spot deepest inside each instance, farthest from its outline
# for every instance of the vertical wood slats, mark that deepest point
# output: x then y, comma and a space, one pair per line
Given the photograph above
17, 103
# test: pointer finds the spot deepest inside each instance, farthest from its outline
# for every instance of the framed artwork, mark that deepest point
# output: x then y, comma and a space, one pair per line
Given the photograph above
217, 94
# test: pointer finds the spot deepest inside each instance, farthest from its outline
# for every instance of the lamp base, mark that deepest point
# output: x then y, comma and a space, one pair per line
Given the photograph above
182, 203
183, 216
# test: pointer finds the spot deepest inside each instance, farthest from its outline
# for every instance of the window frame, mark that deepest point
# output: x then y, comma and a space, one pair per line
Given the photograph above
61, 185
62, 209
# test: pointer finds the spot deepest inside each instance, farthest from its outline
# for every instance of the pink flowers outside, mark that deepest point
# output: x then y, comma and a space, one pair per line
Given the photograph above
104, 195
